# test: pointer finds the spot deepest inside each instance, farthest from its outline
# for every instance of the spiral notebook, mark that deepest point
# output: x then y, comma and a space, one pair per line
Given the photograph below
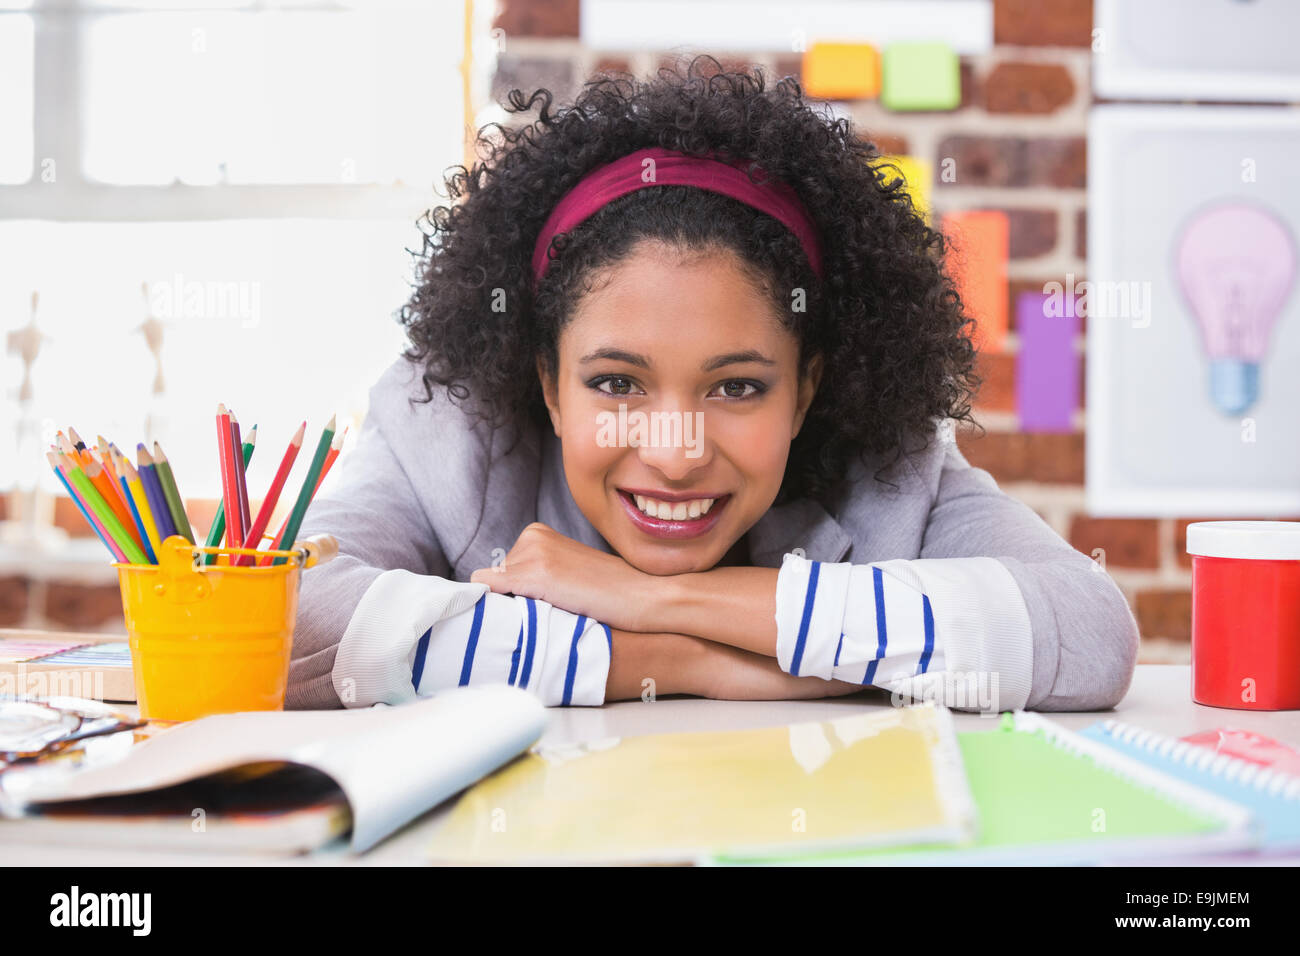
1272, 796
1047, 795
869, 779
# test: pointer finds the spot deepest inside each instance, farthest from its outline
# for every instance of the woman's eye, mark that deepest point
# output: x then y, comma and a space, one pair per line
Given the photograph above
618, 385
736, 389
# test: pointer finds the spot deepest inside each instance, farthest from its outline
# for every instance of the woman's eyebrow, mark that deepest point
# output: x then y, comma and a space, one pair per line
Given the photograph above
615, 355
640, 361
737, 358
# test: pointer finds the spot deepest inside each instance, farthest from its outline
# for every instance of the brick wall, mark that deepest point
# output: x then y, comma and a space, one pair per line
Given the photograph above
1019, 143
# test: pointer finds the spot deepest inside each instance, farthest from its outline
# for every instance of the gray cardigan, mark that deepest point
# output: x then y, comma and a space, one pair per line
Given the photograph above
429, 490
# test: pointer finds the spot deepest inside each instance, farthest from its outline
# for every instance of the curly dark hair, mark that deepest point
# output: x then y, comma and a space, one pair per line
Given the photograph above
886, 319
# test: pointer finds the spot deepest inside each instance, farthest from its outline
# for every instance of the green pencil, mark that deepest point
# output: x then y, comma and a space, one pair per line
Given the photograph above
219, 522
308, 489
175, 506
95, 501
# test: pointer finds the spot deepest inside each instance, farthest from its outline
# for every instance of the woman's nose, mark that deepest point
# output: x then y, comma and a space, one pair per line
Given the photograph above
673, 442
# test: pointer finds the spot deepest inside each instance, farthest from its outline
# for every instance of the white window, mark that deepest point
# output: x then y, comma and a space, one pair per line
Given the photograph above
260, 166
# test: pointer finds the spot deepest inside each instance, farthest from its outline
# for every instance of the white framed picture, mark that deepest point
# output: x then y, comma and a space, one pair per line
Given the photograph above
1192, 311
1220, 50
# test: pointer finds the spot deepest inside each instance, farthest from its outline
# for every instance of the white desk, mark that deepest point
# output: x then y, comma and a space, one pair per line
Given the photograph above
1159, 699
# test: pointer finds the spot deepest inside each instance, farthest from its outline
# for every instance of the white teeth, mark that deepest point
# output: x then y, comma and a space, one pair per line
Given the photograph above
674, 510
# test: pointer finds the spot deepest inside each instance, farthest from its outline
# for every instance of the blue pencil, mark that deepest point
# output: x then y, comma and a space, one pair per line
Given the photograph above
153, 491
139, 522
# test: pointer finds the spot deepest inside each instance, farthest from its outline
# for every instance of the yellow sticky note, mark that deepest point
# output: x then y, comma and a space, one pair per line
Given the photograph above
916, 174
842, 71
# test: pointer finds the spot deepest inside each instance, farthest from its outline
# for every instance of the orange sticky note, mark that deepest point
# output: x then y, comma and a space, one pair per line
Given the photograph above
977, 262
841, 71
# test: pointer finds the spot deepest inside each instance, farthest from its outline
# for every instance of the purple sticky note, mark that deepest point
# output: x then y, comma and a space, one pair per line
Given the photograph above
1047, 368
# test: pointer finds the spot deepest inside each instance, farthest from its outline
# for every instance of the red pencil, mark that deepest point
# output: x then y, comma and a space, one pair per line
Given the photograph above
230, 497
335, 447
241, 480
254, 537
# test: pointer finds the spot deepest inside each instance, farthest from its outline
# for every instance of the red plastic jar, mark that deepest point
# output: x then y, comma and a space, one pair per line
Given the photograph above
1245, 614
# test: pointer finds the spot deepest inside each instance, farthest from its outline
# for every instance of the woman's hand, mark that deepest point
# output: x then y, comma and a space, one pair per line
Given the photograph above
549, 566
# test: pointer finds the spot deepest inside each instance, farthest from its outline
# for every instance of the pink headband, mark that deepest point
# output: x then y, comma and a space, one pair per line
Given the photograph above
670, 168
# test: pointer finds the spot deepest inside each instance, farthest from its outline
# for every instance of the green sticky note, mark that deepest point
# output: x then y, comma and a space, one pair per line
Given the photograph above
920, 76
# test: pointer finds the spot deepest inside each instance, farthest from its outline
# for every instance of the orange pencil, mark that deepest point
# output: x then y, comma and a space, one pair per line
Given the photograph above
107, 487
80, 457
105, 458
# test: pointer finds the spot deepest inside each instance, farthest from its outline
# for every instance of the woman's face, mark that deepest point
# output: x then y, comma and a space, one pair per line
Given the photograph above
676, 399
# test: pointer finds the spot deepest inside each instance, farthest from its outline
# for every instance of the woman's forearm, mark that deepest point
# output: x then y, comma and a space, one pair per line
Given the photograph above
646, 665
649, 665
730, 605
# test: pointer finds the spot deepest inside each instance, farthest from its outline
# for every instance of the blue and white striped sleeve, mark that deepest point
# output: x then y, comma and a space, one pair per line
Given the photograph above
414, 634
955, 630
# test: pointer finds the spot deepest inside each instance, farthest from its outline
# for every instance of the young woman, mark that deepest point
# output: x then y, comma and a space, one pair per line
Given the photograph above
676, 418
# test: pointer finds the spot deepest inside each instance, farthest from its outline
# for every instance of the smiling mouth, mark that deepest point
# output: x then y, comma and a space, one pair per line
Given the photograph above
687, 510
672, 519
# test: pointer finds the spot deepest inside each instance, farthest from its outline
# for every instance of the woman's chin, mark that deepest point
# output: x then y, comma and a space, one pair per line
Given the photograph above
663, 564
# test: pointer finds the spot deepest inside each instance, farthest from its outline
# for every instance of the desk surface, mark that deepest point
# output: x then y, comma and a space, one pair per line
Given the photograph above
1159, 700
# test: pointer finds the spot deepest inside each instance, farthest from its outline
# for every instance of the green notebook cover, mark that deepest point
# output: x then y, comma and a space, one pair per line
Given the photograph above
1044, 794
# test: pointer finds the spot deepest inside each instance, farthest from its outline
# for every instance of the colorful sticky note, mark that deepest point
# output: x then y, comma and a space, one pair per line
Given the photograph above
920, 76
977, 262
916, 174
1047, 368
841, 71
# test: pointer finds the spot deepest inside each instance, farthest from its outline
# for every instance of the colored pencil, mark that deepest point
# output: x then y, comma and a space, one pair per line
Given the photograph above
229, 492
335, 446
173, 495
105, 458
82, 480
308, 490
104, 485
91, 520
68, 449
139, 521
79, 456
136, 486
254, 536
241, 484
219, 522
162, 515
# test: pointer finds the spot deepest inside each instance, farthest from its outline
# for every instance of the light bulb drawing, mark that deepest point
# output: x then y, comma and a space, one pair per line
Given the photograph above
1236, 263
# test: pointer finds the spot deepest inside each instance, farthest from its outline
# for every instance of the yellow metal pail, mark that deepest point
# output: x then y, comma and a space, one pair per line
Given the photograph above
212, 639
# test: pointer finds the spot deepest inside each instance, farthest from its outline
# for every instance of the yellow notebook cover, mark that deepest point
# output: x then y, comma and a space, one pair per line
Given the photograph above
866, 780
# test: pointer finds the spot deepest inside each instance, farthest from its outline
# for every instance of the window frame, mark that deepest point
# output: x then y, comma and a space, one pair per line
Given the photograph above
57, 135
